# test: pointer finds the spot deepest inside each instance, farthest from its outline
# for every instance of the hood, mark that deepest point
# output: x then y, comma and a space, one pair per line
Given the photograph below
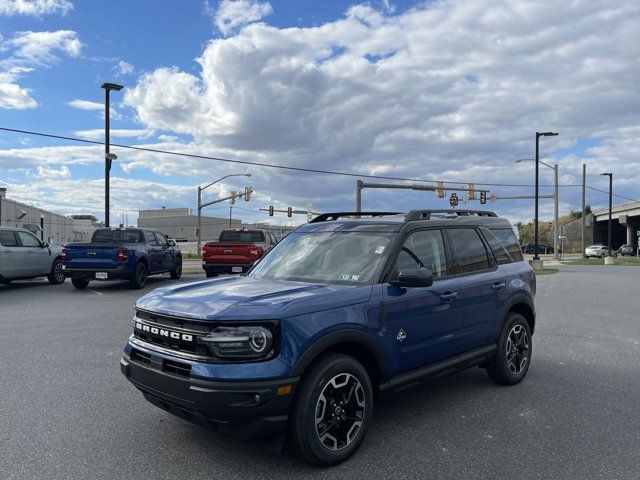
244, 298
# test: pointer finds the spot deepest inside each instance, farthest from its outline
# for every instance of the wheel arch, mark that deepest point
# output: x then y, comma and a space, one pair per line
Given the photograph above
354, 343
522, 305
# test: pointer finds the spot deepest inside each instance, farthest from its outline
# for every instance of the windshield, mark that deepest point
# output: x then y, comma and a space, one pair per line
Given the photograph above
350, 258
241, 236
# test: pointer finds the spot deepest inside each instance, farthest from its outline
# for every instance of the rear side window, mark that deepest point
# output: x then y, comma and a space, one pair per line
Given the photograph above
508, 240
8, 239
240, 236
424, 249
498, 249
469, 253
115, 236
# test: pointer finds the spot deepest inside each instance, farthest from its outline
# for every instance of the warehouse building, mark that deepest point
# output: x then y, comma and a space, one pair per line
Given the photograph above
180, 224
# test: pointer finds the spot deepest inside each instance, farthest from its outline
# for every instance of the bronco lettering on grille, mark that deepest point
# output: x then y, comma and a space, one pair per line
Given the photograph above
185, 337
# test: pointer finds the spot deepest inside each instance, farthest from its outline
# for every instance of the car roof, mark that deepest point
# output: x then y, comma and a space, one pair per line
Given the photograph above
394, 222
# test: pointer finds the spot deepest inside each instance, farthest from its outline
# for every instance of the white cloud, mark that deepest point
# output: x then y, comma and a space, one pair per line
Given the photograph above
85, 104
29, 50
35, 8
232, 14
98, 133
123, 68
39, 47
51, 173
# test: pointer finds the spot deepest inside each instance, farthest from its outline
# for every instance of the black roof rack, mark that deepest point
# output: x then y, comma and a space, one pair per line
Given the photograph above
426, 214
336, 215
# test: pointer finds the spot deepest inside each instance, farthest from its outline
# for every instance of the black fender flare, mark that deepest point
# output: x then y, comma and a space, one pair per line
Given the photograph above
335, 338
517, 299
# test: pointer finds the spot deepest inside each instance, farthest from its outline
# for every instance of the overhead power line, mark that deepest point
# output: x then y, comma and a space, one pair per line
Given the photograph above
266, 165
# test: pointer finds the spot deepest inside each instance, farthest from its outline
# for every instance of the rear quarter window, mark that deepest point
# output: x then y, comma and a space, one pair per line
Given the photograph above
508, 240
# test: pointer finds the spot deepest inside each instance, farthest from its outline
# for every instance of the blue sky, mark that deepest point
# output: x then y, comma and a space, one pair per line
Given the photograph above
433, 90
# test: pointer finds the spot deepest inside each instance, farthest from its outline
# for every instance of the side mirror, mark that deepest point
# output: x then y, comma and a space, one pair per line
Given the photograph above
45, 245
172, 243
413, 277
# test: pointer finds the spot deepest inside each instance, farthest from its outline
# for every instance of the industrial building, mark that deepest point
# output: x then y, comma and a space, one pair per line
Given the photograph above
180, 224
48, 226
625, 224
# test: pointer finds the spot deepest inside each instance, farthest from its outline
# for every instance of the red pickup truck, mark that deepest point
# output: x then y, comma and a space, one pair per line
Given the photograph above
236, 250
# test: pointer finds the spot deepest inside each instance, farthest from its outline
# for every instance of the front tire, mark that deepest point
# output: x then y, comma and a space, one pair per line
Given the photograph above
176, 271
513, 356
79, 283
139, 279
56, 276
332, 410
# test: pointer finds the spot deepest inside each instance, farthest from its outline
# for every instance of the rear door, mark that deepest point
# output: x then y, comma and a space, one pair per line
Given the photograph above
482, 284
11, 263
423, 323
167, 251
156, 256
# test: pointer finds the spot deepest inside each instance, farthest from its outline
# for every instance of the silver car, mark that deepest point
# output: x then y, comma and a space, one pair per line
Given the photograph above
23, 256
597, 250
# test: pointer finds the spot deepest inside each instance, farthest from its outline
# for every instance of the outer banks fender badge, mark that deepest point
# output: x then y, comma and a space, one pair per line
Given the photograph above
401, 336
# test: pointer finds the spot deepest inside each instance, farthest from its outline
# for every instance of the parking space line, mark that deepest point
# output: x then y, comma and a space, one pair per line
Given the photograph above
96, 292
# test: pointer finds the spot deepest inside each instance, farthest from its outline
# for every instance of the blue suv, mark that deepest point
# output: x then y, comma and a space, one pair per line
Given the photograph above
345, 307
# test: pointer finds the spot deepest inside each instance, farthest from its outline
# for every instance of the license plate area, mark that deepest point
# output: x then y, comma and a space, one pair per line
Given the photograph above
236, 269
102, 275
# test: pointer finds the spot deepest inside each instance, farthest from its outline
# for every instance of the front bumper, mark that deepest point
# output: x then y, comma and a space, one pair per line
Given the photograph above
118, 273
246, 410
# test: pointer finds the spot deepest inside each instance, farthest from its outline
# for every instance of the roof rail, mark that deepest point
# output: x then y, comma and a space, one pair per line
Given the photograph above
426, 214
323, 217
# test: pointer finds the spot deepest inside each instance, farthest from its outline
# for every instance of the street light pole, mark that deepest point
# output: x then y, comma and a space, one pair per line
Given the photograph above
556, 214
535, 226
200, 189
610, 175
107, 156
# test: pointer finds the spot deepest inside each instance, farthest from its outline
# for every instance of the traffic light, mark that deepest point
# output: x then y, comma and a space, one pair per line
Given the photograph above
271, 210
247, 194
440, 189
233, 198
471, 194
453, 200
483, 197
550, 225
289, 212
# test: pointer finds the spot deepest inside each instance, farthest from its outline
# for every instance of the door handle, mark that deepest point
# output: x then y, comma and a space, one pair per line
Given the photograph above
448, 297
498, 285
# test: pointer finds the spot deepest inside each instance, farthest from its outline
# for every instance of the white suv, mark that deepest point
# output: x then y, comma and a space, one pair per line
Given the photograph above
597, 250
24, 256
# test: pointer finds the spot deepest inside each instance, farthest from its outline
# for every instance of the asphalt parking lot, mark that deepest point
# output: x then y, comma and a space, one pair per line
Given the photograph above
67, 412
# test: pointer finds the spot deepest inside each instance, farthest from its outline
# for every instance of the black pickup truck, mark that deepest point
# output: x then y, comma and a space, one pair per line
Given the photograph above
121, 253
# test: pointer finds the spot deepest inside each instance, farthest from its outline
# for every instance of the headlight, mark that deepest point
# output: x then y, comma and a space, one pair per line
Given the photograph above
240, 343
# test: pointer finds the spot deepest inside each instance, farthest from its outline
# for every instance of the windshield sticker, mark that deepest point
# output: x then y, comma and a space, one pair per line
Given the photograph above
345, 277
380, 249
355, 278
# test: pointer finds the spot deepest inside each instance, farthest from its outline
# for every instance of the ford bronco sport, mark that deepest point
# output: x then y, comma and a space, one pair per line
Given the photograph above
346, 306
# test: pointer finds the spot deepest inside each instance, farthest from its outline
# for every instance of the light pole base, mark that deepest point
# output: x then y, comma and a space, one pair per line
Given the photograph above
609, 260
536, 264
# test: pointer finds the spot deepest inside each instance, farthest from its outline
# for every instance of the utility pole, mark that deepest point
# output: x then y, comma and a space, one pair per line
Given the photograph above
610, 175
108, 157
584, 207
556, 214
359, 195
536, 256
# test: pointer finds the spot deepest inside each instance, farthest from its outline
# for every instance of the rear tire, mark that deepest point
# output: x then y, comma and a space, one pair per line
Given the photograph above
56, 276
332, 411
139, 279
513, 356
176, 271
79, 283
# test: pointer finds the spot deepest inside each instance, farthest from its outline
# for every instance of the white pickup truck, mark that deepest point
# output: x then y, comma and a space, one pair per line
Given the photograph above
24, 256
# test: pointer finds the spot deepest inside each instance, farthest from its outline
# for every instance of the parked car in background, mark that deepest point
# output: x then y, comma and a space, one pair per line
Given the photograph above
597, 250
24, 256
121, 253
236, 250
627, 250
347, 306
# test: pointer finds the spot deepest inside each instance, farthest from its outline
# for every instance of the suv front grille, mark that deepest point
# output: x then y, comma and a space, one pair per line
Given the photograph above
170, 366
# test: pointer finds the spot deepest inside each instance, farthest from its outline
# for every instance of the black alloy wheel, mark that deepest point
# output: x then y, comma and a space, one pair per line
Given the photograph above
56, 277
513, 355
139, 280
